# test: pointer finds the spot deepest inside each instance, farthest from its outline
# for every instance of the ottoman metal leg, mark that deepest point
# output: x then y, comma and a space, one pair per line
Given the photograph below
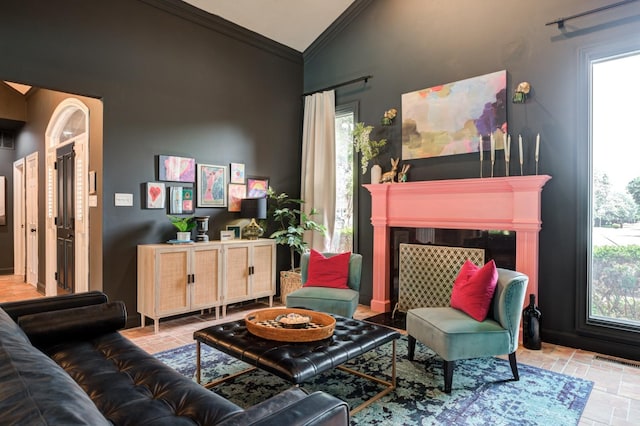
389, 386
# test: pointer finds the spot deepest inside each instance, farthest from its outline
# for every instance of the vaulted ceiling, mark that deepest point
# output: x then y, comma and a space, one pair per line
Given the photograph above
294, 23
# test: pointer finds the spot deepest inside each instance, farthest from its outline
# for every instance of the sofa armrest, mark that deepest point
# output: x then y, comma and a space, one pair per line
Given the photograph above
53, 303
294, 407
47, 328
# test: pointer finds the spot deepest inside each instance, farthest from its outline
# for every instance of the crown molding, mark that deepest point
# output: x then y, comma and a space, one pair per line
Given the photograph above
328, 35
215, 23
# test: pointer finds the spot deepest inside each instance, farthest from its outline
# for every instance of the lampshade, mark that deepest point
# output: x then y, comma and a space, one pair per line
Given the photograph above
253, 208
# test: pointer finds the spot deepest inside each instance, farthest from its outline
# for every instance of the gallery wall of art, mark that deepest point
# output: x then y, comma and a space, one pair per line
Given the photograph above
173, 83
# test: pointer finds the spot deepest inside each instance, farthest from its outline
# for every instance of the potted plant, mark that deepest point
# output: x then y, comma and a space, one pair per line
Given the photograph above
184, 225
368, 149
291, 222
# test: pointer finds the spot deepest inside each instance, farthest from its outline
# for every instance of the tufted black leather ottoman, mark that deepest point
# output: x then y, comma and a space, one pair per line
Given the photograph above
297, 362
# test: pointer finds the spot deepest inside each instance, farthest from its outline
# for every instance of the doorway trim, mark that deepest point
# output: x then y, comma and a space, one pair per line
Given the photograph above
53, 141
19, 228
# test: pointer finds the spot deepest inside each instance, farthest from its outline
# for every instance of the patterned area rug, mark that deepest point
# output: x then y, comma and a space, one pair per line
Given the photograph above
482, 393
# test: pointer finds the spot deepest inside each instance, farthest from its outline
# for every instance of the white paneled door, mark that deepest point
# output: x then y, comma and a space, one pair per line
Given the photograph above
31, 208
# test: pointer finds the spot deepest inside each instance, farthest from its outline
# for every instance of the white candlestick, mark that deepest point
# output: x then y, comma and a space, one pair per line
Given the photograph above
537, 151
520, 146
493, 148
507, 152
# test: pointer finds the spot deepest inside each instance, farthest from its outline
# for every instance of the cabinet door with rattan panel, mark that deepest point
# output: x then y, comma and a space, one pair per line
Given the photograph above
263, 276
205, 289
236, 265
162, 281
172, 267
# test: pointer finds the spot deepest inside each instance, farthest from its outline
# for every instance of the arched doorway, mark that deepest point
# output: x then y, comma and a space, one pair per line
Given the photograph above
67, 224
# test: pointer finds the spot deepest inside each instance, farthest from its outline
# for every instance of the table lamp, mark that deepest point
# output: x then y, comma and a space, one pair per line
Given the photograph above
253, 208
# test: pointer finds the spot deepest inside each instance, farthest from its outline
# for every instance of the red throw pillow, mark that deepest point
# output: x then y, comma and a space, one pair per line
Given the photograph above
473, 289
330, 272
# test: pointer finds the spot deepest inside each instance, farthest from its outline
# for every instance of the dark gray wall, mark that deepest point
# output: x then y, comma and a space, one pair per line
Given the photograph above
6, 230
172, 81
13, 111
414, 44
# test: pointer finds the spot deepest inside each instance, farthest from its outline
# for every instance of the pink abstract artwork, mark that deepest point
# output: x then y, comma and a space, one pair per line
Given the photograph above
452, 118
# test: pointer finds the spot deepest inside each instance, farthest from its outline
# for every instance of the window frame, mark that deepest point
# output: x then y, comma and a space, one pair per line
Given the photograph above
585, 324
353, 107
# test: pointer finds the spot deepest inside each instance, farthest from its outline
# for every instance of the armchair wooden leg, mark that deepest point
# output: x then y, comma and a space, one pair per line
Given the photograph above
514, 366
411, 347
448, 367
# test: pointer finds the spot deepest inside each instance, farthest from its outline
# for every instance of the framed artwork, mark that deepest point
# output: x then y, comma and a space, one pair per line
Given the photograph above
187, 200
236, 194
453, 118
257, 187
175, 200
212, 185
237, 173
176, 169
235, 229
227, 235
155, 195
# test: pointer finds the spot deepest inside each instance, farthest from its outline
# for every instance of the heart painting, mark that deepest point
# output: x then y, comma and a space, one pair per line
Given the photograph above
155, 195
154, 192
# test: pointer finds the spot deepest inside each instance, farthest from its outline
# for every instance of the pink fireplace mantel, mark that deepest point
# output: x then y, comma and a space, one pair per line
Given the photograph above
504, 203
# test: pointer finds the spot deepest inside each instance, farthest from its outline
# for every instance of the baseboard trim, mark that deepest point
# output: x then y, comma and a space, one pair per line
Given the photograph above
606, 347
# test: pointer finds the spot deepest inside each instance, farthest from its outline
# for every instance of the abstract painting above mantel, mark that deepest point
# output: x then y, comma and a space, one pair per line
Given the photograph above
450, 119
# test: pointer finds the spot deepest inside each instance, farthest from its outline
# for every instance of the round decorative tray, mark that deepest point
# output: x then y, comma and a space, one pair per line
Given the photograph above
268, 324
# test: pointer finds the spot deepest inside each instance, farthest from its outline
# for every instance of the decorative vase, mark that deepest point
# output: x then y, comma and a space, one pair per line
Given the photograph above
376, 173
183, 236
531, 325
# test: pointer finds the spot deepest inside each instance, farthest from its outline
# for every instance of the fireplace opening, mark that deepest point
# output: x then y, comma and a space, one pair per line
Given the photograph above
499, 245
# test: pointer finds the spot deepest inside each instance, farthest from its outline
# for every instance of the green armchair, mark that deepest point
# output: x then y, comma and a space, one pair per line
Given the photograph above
454, 335
332, 300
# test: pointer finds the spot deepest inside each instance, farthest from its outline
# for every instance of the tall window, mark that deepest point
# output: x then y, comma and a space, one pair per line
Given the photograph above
343, 235
614, 292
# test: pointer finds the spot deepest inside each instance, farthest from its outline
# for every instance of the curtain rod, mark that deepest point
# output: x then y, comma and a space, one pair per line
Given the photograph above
561, 21
364, 78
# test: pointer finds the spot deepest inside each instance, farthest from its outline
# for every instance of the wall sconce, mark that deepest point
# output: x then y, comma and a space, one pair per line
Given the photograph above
521, 93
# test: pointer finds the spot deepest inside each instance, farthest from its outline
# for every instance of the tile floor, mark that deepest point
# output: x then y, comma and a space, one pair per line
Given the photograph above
615, 399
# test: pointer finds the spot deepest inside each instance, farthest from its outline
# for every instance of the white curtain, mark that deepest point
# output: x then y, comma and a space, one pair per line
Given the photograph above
318, 164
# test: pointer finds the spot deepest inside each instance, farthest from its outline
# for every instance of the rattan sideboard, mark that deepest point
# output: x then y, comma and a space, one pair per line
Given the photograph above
178, 279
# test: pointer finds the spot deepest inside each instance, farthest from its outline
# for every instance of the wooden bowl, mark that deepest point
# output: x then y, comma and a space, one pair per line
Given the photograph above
263, 324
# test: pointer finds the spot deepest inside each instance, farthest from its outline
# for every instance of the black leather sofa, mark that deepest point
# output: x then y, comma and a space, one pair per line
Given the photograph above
62, 362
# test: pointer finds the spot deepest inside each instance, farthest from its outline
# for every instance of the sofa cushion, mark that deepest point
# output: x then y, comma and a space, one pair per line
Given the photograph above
454, 335
36, 391
80, 323
333, 300
473, 289
130, 386
332, 271
53, 303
